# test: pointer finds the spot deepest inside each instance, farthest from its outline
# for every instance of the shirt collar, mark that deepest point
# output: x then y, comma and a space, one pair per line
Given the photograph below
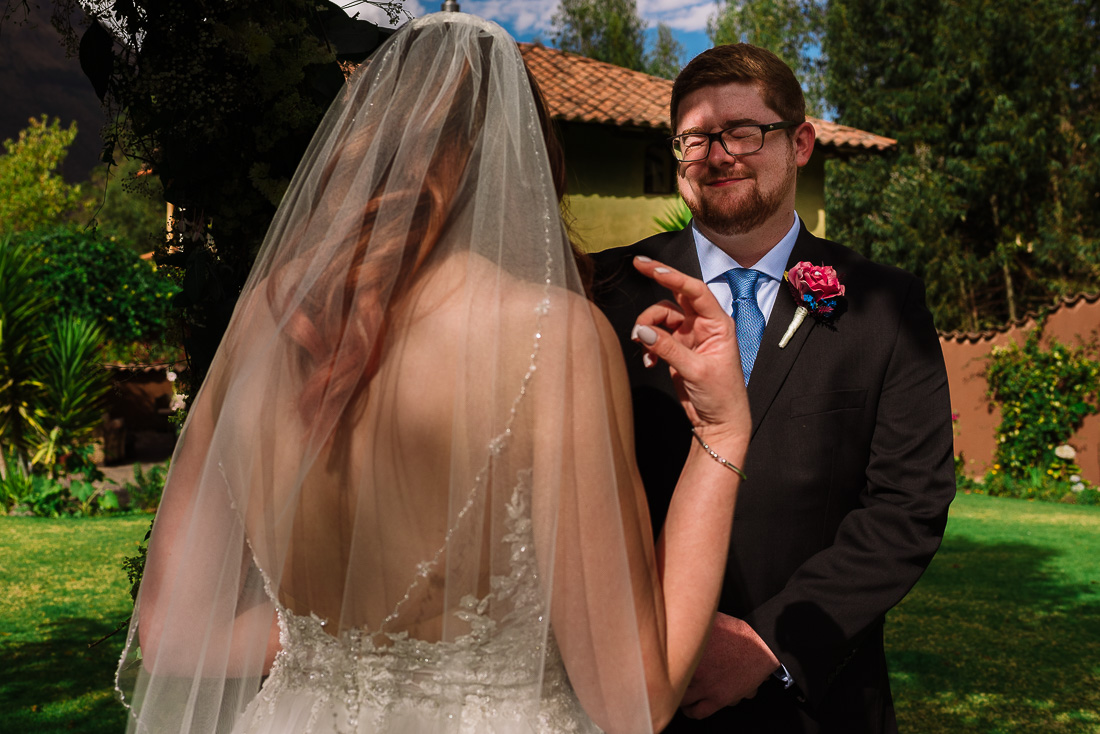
713, 262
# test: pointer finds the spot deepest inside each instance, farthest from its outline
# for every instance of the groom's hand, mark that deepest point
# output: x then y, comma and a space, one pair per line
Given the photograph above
735, 662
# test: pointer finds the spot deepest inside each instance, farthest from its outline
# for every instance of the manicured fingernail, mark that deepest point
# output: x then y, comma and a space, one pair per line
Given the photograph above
644, 334
643, 259
648, 360
662, 270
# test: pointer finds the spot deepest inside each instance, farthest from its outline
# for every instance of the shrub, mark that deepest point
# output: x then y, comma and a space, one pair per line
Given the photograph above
51, 390
24, 305
147, 487
104, 281
1044, 396
32, 193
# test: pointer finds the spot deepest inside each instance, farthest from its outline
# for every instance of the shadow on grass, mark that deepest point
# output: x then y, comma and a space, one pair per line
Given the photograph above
59, 684
994, 640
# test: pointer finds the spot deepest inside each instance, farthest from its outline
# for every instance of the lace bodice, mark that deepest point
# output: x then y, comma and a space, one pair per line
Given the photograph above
505, 674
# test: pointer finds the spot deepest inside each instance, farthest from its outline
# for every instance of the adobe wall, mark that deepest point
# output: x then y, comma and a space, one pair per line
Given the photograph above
1074, 323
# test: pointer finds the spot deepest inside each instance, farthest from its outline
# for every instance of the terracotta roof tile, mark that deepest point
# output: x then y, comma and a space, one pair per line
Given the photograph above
985, 335
579, 89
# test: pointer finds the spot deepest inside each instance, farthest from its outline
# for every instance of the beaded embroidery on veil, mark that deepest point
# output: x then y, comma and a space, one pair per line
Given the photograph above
375, 499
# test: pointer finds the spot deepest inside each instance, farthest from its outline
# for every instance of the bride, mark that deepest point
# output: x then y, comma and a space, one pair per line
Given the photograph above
405, 499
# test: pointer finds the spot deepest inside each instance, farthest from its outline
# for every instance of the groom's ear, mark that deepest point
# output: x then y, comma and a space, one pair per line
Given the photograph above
803, 141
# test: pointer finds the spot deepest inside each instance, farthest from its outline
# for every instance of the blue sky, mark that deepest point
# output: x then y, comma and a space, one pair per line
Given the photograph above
527, 20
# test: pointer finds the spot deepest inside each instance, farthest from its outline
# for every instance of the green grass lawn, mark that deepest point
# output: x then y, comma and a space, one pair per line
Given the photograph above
62, 589
1001, 635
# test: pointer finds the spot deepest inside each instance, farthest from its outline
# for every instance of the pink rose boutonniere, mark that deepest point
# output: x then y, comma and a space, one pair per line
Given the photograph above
816, 288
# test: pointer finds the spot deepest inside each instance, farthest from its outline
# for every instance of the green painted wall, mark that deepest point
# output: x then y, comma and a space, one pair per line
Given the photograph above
601, 222
606, 169
809, 198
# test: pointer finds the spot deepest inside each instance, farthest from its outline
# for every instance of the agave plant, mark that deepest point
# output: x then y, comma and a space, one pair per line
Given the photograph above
676, 217
73, 387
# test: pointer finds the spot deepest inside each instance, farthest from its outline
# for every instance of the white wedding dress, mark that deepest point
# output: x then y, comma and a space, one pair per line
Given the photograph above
503, 677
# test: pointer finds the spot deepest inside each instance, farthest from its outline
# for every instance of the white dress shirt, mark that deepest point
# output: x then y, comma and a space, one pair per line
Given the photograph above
713, 263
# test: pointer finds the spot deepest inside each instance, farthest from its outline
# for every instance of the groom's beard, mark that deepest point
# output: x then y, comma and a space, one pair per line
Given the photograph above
714, 211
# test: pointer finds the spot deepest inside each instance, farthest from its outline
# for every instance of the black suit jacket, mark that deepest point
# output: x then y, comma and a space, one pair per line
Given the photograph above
850, 475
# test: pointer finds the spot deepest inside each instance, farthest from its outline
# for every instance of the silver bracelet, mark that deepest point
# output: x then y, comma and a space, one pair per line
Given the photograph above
718, 458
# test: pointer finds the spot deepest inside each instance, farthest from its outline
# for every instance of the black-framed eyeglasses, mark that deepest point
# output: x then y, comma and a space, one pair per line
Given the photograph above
740, 140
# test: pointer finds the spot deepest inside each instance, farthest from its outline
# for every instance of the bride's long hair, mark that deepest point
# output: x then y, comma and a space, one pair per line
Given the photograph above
341, 331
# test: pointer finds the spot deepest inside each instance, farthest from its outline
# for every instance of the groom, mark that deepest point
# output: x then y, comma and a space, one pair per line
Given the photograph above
850, 466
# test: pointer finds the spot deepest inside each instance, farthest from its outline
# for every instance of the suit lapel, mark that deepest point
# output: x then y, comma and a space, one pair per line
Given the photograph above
773, 364
679, 252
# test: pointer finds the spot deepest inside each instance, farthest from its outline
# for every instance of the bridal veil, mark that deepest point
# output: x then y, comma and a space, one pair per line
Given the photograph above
408, 434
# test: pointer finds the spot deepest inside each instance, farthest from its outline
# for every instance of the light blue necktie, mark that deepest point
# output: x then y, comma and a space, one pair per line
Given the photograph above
747, 314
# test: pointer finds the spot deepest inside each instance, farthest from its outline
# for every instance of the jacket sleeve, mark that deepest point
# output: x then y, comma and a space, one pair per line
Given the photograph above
820, 619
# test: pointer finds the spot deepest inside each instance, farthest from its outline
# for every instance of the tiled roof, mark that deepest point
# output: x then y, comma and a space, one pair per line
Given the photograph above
579, 89
985, 335
177, 366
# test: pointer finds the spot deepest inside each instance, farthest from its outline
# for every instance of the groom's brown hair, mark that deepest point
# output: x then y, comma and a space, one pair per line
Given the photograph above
747, 64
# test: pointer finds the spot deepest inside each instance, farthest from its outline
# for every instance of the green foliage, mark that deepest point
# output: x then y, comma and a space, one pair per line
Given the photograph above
72, 391
32, 194
134, 565
46, 495
24, 308
1044, 396
127, 207
17, 485
219, 100
51, 383
148, 486
145, 493
993, 196
792, 29
605, 30
676, 217
51, 497
1037, 483
667, 55
104, 281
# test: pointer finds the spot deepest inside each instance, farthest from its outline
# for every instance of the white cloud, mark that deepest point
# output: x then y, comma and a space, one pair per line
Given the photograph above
692, 17
524, 16
662, 7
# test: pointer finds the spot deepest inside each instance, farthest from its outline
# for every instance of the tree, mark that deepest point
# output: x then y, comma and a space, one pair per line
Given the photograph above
104, 282
127, 204
32, 193
993, 194
666, 57
219, 98
792, 29
605, 30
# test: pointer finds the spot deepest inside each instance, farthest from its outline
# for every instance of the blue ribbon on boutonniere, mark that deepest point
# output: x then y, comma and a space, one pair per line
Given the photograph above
817, 289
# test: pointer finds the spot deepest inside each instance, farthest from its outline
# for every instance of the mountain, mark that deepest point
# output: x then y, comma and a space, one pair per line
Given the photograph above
36, 78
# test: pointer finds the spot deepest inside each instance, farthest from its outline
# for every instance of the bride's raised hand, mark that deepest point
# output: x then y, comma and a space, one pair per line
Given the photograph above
699, 342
